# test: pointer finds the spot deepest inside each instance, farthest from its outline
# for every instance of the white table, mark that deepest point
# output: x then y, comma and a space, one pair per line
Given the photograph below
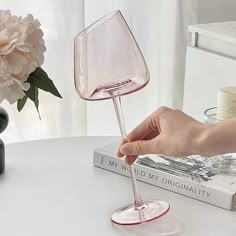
50, 188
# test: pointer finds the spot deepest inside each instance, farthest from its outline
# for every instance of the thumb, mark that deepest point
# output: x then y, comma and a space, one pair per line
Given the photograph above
138, 147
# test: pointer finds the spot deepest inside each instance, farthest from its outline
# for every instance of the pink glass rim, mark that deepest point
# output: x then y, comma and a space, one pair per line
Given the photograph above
98, 23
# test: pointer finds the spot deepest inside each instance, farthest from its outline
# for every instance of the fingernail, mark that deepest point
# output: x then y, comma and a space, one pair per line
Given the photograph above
118, 154
123, 149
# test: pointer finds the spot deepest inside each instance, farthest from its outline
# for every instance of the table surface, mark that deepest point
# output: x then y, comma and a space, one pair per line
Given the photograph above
51, 188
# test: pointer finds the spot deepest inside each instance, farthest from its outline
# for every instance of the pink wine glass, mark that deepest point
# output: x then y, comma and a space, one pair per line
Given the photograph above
108, 64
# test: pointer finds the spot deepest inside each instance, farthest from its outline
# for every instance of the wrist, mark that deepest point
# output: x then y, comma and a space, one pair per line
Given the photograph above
205, 139
215, 140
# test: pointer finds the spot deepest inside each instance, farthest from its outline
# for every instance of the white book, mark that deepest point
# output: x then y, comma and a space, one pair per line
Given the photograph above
189, 176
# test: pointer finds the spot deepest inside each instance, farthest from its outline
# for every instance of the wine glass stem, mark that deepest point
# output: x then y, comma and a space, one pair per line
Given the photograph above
119, 115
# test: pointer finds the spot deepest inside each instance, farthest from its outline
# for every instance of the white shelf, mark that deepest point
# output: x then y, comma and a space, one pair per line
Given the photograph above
215, 37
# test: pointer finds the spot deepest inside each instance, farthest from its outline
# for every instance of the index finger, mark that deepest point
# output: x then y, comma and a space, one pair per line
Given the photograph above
148, 127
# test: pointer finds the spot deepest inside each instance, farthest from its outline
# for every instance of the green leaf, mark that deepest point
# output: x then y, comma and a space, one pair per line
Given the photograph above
21, 103
33, 95
36, 101
40, 79
30, 93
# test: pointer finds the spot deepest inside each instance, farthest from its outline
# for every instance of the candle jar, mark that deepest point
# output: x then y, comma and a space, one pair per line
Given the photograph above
225, 163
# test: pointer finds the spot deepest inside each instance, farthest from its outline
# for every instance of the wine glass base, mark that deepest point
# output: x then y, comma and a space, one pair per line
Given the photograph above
225, 164
149, 210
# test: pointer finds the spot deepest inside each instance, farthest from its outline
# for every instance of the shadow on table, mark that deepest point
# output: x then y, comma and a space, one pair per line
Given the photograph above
166, 225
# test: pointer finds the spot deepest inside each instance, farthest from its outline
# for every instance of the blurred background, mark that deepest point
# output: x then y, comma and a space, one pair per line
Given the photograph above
160, 28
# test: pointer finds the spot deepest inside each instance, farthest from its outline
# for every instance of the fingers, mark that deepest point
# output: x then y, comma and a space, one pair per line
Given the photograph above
148, 137
139, 147
133, 149
148, 127
145, 133
119, 154
129, 159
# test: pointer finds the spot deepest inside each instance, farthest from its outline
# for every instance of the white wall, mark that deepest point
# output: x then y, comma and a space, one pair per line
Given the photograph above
216, 10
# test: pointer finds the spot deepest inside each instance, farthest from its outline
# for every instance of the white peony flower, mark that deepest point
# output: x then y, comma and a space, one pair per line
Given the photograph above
21, 52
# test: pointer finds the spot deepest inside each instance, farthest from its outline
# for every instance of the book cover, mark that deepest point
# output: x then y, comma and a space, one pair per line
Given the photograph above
189, 176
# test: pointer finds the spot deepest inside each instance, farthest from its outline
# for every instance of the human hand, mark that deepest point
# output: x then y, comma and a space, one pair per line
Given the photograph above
166, 131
